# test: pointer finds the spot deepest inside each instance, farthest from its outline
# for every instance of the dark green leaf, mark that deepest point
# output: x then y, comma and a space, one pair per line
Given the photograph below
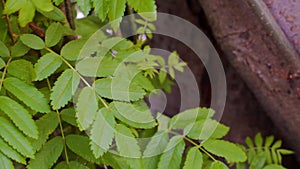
72, 164
2, 63
27, 94
72, 49
48, 155
4, 52
21, 69
56, 14
32, 41
19, 49
68, 115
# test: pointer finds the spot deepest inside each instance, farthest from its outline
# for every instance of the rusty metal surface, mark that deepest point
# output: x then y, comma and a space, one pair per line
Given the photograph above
287, 15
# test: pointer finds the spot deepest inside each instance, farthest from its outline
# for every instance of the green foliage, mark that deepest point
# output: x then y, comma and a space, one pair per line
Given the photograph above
70, 100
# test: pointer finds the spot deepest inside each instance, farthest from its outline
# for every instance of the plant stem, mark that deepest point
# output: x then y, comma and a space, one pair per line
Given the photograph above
69, 14
82, 78
4, 72
61, 130
195, 144
8, 24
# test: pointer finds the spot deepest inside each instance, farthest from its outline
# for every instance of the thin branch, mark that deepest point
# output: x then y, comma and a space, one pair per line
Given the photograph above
37, 30
8, 24
4, 72
69, 14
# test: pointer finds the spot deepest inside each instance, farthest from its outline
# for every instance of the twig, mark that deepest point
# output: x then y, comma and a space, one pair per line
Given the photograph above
69, 14
37, 30
8, 24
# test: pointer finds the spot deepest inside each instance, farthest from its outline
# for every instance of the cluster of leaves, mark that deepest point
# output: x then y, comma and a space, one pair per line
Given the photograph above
81, 104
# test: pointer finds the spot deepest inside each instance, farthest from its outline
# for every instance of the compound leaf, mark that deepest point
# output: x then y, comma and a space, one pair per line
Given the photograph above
27, 94
19, 115
48, 155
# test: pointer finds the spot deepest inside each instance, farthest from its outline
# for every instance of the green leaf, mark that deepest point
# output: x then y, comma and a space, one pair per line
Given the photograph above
72, 164
4, 52
56, 14
86, 107
194, 159
102, 132
118, 88
80, 145
5, 162
204, 129
43, 5
218, 165
19, 49
172, 156
12, 6
123, 137
228, 150
10, 152
146, 8
54, 33
132, 114
14, 138
64, 88
2, 63
21, 69
189, 116
32, 41
68, 115
26, 14
48, 155
97, 67
46, 66
72, 49
101, 8
27, 94
84, 6
274, 166
20, 116
285, 152
46, 126
258, 141
116, 11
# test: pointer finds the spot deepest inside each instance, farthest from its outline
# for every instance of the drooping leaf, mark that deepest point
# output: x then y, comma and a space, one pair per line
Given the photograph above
10, 152
46, 125
47, 65
4, 52
194, 159
19, 115
72, 164
14, 138
32, 41
48, 155
5, 162
72, 49
26, 14
12, 6
102, 132
64, 88
116, 11
146, 8
86, 107
189, 116
228, 150
218, 165
68, 115
21, 69
118, 88
133, 114
54, 34
19, 49
172, 156
27, 94
123, 137
43, 5
80, 145
204, 129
